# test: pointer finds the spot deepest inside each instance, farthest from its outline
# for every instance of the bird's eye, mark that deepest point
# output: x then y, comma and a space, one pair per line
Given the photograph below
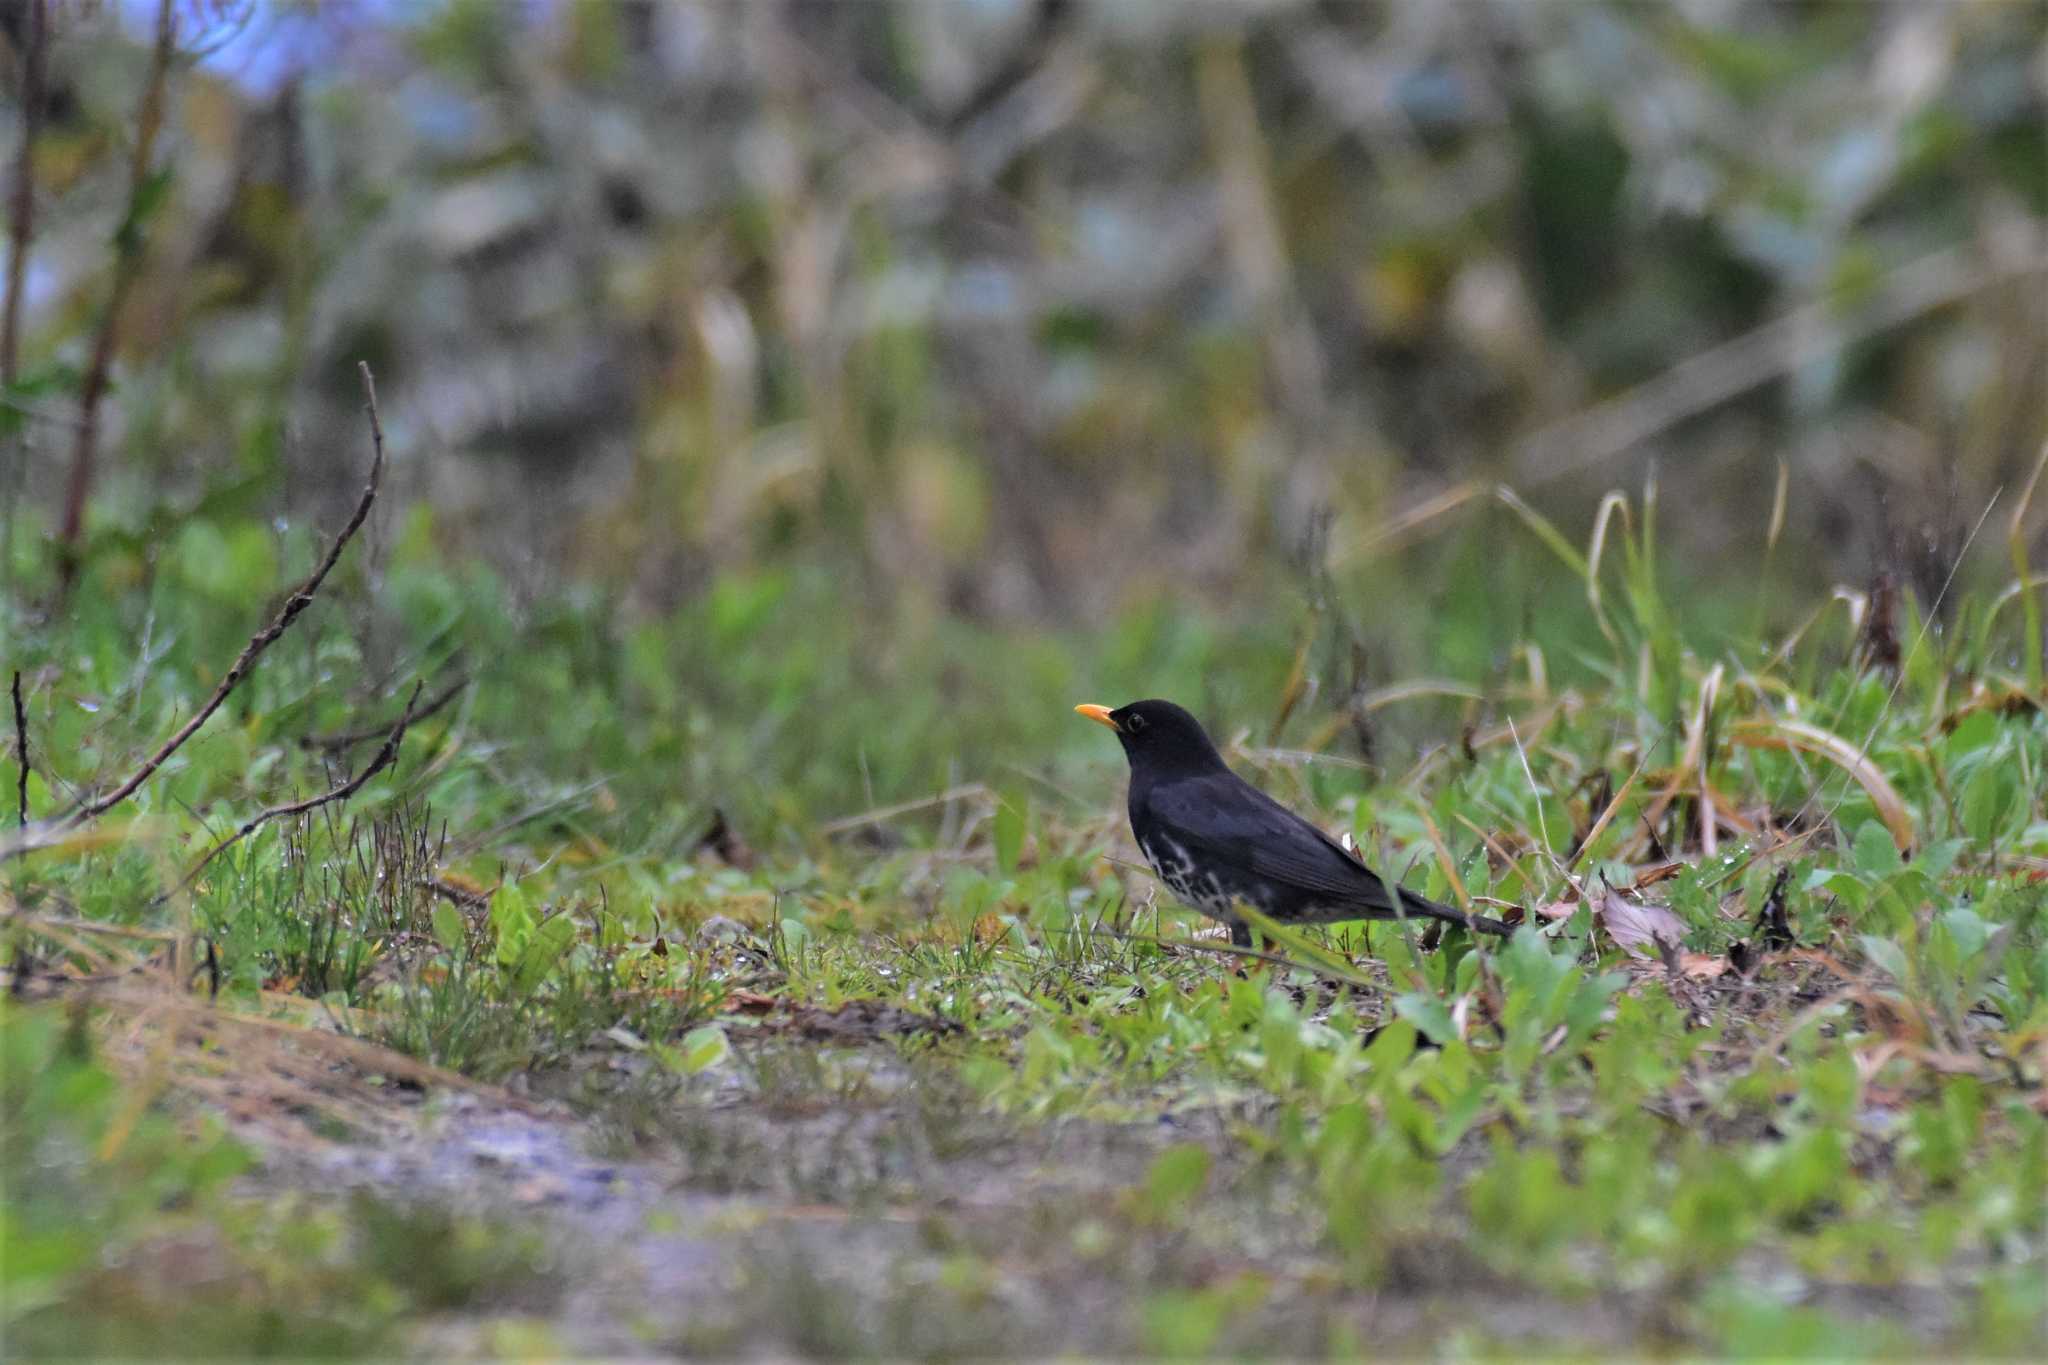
1135, 724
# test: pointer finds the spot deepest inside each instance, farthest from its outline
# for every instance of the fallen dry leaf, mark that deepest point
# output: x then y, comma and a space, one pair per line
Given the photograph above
1702, 966
1636, 927
1656, 872
463, 892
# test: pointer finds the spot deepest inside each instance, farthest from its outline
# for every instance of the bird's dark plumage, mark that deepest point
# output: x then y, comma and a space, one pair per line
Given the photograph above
1216, 840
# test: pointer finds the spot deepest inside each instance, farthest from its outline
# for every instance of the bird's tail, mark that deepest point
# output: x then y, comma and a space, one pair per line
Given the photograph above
1423, 905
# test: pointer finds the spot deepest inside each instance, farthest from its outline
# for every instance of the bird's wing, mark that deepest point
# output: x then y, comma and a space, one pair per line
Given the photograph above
1227, 817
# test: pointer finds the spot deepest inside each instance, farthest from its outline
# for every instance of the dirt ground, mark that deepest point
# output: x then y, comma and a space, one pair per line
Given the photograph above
843, 1198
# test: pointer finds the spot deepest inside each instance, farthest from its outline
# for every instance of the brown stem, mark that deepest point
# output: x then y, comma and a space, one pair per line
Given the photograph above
385, 756
268, 636
127, 266
348, 739
21, 210
20, 753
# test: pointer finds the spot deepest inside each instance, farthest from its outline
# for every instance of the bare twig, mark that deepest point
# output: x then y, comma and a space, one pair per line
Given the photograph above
21, 209
20, 754
1028, 54
348, 739
300, 599
383, 759
128, 255
20, 233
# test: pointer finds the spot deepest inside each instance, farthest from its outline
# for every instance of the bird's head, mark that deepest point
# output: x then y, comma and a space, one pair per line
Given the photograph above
1158, 737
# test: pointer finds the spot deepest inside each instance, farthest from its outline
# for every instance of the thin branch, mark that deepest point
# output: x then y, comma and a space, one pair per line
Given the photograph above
348, 739
1028, 54
20, 233
128, 256
20, 754
383, 759
268, 636
21, 211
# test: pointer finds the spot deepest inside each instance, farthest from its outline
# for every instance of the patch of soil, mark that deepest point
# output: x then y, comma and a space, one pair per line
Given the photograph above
856, 1021
834, 1201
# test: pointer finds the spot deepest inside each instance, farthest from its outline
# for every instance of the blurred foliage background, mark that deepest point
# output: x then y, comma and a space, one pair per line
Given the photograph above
1026, 314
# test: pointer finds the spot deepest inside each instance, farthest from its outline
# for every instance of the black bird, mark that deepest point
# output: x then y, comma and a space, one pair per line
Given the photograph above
1215, 839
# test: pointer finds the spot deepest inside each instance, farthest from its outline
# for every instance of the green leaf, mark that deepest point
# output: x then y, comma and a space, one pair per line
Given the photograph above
701, 1049
149, 197
1978, 730
1429, 1014
1177, 1176
1833, 1087
1989, 798
1461, 1108
1969, 930
1390, 1050
544, 948
448, 927
1589, 1001
1183, 1323
1875, 854
1888, 955
512, 919
1009, 834
1937, 859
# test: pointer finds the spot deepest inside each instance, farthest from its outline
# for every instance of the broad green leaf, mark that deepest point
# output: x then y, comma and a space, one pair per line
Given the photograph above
1429, 1014
544, 948
149, 196
1888, 955
1968, 929
1176, 1177
1989, 799
448, 927
512, 919
1009, 834
701, 1049
1183, 1323
1874, 852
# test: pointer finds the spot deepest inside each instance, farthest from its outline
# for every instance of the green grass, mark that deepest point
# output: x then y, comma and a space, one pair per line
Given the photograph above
1834, 1146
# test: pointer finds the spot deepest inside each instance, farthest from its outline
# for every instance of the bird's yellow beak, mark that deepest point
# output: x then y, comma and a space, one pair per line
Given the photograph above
1098, 714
